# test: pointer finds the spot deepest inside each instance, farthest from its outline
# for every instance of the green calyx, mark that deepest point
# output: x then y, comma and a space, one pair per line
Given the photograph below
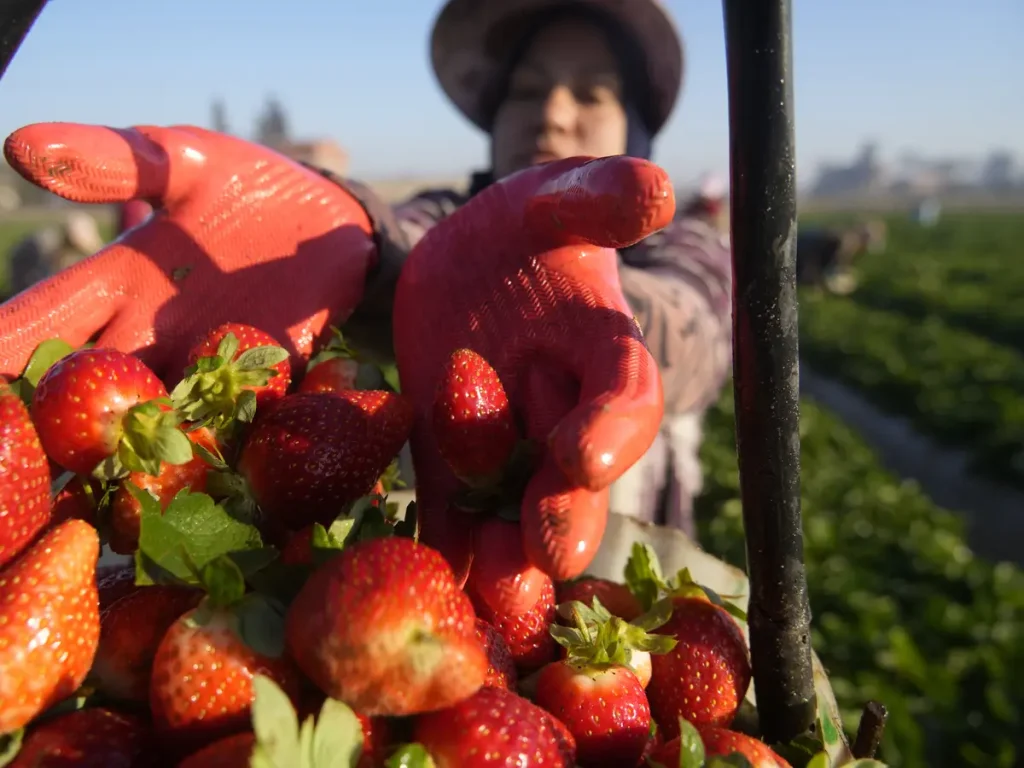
598, 639
218, 391
333, 740
644, 578
151, 435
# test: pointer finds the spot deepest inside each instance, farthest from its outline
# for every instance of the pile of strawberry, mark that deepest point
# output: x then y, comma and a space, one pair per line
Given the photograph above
279, 611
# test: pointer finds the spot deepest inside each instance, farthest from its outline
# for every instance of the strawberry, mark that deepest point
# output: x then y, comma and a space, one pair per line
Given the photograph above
495, 726
96, 406
604, 708
615, 597
172, 478
501, 669
201, 686
721, 742
229, 752
87, 738
526, 634
314, 453
337, 374
232, 370
49, 622
24, 477
500, 576
472, 420
384, 627
130, 631
594, 636
596, 690
705, 677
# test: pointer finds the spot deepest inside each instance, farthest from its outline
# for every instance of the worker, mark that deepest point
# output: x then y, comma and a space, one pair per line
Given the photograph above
569, 274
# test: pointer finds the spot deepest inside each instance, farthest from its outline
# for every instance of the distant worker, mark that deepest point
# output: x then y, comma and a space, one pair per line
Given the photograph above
52, 249
825, 256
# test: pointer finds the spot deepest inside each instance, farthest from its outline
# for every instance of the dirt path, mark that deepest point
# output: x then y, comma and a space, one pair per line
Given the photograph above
994, 513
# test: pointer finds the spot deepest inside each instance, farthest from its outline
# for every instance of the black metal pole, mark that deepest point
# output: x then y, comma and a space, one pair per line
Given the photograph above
765, 362
16, 19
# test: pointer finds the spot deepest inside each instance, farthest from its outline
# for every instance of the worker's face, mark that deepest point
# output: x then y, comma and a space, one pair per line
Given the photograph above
563, 101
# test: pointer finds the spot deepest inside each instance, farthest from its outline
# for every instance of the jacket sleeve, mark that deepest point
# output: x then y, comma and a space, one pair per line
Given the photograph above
678, 283
396, 230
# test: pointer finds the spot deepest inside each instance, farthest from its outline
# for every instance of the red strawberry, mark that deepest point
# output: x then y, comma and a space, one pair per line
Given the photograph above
501, 669
130, 631
125, 511
604, 708
201, 687
384, 627
313, 453
705, 677
95, 404
24, 477
722, 742
88, 738
615, 597
337, 374
49, 622
229, 752
232, 370
472, 419
299, 548
498, 724
500, 576
526, 634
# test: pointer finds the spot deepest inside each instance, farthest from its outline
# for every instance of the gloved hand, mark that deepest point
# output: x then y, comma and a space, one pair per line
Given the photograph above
244, 234
524, 274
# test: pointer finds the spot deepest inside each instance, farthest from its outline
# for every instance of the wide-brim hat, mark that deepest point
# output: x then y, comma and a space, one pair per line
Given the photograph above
472, 39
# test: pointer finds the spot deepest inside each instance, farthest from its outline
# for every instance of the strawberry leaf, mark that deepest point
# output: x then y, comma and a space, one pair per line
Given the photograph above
223, 581
325, 543
410, 756
227, 348
276, 726
338, 737
336, 347
280, 581
334, 741
691, 746
261, 624
643, 575
43, 358
245, 407
190, 533
409, 525
390, 373
252, 561
215, 460
10, 745
261, 357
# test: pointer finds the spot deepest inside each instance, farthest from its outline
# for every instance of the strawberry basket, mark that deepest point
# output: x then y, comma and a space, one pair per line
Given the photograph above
300, 719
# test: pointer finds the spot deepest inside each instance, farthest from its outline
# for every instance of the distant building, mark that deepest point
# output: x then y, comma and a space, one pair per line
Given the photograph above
864, 175
323, 153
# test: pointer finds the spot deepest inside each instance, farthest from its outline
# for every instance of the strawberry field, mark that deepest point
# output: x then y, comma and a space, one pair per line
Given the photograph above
903, 610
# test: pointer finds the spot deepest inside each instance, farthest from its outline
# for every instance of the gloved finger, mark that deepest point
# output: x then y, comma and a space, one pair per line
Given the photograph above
620, 404
611, 202
97, 164
561, 525
73, 305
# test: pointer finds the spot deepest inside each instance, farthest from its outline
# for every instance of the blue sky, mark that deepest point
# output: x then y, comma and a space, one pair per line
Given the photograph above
927, 75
